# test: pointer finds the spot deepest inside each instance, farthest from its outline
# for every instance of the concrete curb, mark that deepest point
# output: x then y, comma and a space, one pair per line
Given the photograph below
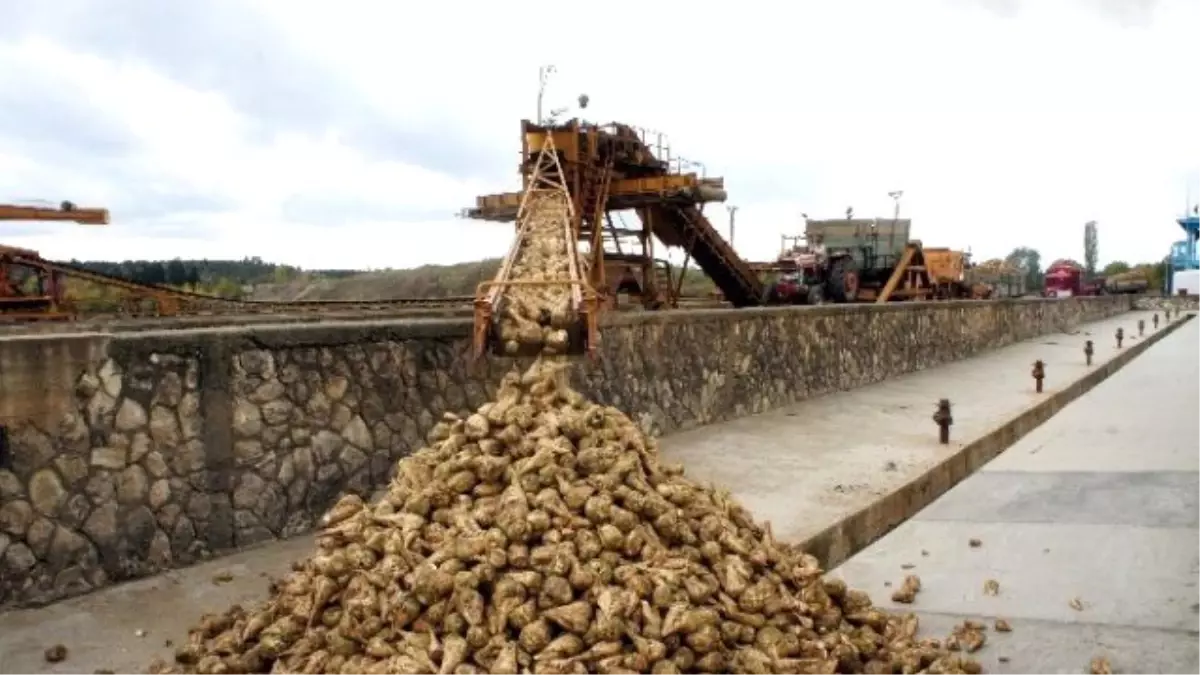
838, 542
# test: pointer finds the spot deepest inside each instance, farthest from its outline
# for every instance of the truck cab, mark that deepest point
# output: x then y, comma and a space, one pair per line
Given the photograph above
1062, 281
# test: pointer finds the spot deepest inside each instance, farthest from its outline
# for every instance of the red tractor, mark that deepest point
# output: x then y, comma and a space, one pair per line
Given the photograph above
809, 274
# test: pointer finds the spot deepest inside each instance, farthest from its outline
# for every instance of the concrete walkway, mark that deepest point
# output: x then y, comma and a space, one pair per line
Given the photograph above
803, 468
1089, 524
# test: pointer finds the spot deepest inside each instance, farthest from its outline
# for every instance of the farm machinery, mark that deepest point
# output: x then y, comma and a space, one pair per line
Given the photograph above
1125, 283
595, 170
808, 274
847, 260
954, 276
31, 287
592, 171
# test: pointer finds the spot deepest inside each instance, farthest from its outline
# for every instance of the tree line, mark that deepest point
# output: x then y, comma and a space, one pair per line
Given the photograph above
181, 272
225, 278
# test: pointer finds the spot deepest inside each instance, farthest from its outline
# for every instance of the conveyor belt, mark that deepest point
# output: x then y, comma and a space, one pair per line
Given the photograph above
685, 226
677, 222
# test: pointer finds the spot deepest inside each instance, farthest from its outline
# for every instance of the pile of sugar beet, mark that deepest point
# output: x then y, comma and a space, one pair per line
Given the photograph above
544, 534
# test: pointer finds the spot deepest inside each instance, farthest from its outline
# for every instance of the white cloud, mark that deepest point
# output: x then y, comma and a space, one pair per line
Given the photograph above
1003, 128
196, 139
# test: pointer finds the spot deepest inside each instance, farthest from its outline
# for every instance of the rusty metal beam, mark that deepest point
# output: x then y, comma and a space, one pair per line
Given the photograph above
658, 185
502, 207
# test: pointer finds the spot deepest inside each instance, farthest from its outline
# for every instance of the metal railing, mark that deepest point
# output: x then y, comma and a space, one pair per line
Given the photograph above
659, 145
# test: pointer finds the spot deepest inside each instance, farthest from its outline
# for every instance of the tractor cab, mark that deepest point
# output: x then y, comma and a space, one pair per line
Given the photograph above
804, 254
801, 272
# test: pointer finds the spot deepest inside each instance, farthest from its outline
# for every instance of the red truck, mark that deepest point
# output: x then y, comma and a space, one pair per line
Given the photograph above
1064, 278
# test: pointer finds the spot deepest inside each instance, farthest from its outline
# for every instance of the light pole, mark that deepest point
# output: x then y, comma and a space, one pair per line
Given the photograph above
732, 215
896, 195
544, 73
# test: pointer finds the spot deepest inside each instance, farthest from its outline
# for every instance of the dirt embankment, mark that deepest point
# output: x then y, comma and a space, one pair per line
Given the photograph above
429, 281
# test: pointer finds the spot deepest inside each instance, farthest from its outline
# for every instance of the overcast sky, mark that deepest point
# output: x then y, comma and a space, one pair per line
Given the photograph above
349, 133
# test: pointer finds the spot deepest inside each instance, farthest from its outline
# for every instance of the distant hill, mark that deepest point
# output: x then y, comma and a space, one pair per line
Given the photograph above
268, 281
428, 281
179, 272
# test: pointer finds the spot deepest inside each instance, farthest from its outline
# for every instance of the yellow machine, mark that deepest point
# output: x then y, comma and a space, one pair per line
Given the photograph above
19, 266
601, 169
948, 274
66, 211
539, 298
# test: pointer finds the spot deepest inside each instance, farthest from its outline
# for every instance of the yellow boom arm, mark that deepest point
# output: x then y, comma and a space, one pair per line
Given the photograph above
66, 212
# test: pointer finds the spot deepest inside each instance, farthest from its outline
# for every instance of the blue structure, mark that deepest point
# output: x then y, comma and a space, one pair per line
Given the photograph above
1183, 253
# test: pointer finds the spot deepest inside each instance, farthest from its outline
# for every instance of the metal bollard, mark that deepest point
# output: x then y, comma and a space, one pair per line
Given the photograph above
1039, 374
1141, 327
1088, 351
943, 419
1120, 336
1156, 321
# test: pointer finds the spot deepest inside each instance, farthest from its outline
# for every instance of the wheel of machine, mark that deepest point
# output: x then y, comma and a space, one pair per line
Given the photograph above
770, 295
843, 281
816, 296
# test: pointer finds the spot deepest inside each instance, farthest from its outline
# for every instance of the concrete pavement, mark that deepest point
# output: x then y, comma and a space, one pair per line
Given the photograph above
802, 467
806, 466
1088, 524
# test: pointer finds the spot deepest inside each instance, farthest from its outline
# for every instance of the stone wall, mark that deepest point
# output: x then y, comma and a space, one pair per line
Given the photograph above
123, 455
1184, 303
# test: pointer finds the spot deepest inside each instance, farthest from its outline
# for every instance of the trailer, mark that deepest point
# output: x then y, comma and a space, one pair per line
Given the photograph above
1125, 283
950, 272
1001, 279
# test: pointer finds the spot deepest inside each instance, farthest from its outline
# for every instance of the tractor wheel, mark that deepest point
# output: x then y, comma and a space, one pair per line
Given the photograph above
842, 285
815, 295
770, 295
